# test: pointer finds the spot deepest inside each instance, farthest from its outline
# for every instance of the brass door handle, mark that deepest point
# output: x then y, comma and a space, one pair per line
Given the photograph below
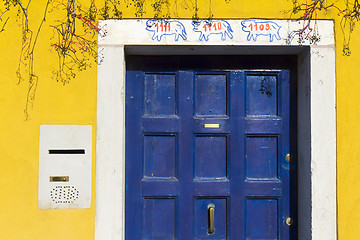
211, 214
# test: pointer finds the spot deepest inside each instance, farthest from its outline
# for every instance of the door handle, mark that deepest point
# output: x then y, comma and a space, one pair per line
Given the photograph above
211, 213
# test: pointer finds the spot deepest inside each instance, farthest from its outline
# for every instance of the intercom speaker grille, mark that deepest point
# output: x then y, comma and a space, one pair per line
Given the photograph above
64, 194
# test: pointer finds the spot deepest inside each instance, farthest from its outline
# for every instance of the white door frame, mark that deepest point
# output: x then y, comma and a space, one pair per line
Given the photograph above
316, 109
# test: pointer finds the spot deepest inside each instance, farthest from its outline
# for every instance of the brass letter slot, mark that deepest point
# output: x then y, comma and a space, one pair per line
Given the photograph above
212, 125
59, 178
211, 213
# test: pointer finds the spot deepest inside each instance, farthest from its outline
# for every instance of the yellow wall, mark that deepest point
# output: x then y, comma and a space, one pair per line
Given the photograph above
75, 103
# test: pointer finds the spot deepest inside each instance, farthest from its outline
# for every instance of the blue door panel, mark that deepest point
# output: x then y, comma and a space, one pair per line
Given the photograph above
200, 139
201, 210
261, 218
159, 218
261, 94
210, 156
210, 94
261, 157
160, 156
159, 94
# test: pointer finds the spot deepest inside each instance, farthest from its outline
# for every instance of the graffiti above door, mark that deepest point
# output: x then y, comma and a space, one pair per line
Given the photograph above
218, 31
250, 31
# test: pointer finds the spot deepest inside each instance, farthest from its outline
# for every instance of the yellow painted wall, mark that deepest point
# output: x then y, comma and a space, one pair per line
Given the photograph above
75, 103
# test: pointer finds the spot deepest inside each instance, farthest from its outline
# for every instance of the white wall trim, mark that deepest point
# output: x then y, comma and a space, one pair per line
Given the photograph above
316, 110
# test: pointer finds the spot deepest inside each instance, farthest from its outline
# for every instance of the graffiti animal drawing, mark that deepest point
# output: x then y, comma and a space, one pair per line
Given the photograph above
208, 27
166, 27
306, 33
261, 28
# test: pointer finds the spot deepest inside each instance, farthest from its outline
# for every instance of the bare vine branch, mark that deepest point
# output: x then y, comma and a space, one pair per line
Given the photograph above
3, 26
75, 47
309, 11
33, 79
75, 42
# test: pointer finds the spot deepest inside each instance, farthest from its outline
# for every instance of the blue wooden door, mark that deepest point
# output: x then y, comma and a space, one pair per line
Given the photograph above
206, 155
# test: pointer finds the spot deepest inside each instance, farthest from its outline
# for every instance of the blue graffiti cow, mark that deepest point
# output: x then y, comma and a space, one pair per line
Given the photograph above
208, 27
261, 28
162, 27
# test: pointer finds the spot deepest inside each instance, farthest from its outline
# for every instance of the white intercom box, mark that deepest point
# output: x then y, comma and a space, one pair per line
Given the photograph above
65, 156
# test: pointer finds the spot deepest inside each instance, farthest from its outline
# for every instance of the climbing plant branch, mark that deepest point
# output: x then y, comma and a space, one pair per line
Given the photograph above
2, 28
75, 42
308, 10
74, 36
25, 69
33, 79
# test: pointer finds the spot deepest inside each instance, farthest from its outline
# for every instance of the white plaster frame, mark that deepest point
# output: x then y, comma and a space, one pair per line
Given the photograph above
316, 115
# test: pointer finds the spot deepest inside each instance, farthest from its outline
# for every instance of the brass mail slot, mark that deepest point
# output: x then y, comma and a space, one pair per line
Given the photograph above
59, 178
212, 125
